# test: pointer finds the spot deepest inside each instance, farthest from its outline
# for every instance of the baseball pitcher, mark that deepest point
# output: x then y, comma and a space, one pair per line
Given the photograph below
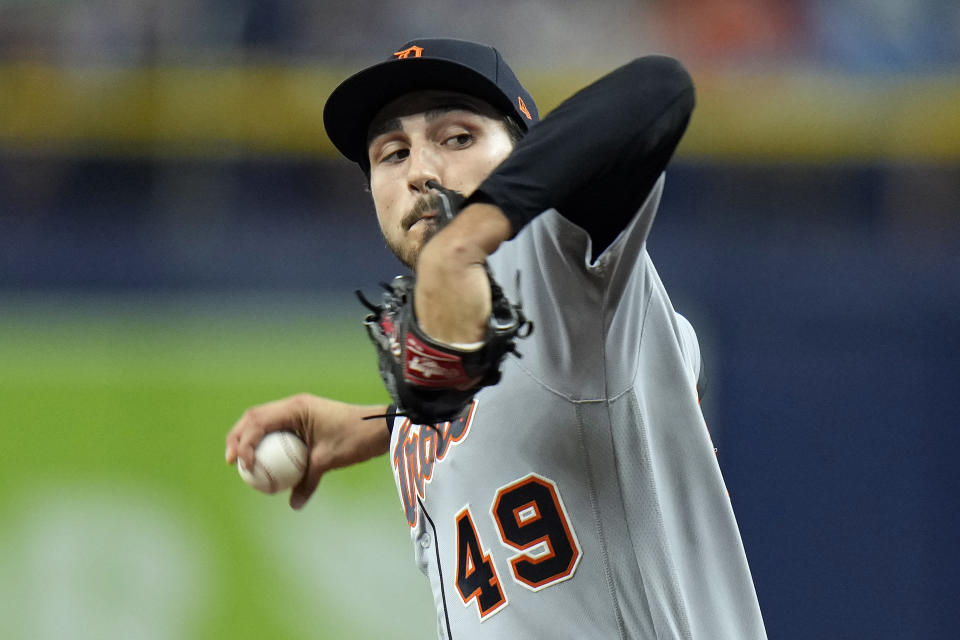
546, 436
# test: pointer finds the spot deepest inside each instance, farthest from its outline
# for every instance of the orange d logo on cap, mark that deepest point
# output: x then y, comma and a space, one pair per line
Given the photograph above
414, 51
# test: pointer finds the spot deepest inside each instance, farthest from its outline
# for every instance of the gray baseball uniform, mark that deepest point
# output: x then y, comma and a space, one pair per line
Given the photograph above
581, 496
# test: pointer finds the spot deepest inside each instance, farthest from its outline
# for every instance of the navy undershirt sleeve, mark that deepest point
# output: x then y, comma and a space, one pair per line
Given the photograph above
597, 155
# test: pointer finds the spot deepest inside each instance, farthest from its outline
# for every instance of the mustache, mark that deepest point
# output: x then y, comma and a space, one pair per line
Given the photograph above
428, 204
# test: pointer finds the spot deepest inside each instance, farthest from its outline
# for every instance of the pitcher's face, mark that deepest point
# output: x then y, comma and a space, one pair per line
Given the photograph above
454, 139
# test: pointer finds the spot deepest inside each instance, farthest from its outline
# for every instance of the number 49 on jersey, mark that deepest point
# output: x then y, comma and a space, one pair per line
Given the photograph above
531, 520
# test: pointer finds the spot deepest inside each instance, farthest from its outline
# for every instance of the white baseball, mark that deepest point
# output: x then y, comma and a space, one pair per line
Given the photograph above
281, 461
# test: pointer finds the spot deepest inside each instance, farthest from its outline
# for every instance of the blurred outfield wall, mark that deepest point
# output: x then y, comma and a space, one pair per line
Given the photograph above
177, 110
177, 243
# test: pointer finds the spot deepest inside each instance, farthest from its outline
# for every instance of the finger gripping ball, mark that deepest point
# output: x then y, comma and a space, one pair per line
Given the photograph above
281, 461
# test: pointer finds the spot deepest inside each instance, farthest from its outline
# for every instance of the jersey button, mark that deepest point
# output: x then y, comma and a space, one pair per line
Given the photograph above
424, 540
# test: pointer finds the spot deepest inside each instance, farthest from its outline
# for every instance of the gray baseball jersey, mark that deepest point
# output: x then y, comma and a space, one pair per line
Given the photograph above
581, 496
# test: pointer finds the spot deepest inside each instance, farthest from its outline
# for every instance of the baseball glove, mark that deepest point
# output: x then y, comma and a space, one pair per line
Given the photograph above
431, 382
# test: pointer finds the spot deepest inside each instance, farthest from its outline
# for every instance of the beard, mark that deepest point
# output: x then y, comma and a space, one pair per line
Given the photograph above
409, 253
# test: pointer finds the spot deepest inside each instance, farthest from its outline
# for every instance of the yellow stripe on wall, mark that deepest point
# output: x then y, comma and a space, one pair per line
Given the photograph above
191, 111
810, 117
211, 111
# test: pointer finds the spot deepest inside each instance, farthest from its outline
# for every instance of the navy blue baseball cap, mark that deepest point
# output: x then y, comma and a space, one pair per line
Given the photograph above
475, 69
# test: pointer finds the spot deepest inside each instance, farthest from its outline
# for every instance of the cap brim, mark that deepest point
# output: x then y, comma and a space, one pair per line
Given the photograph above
354, 103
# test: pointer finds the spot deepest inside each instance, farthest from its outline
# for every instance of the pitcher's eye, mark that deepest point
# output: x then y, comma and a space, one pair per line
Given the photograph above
459, 141
396, 156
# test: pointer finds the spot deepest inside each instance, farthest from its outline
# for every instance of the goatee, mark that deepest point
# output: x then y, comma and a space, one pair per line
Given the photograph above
427, 205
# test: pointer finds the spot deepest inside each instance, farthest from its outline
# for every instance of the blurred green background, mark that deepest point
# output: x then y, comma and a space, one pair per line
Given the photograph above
121, 519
